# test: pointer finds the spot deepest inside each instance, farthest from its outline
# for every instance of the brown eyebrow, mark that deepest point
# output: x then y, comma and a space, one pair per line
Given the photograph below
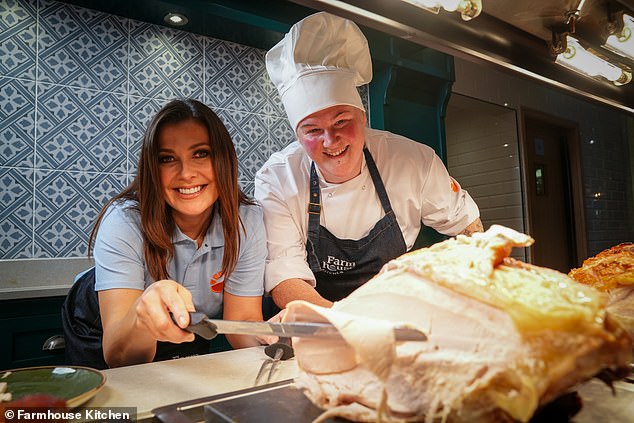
200, 144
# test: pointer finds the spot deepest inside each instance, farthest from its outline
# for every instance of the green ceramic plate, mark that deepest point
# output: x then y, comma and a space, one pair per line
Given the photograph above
74, 384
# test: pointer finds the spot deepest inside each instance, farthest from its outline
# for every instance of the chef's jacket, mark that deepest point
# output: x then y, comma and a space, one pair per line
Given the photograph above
417, 182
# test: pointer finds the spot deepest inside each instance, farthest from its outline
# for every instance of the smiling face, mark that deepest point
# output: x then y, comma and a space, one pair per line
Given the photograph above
187, 174
334, 139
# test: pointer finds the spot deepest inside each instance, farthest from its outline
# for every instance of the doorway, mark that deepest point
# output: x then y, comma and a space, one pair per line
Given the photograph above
553, 191
483, 156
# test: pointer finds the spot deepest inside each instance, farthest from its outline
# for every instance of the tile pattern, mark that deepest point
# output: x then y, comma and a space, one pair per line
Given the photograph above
16, 213
232, 69
18, 38
81, 47
17, 114
141, 111
77, 89
80, 129
249, 133
164, 63
66, 206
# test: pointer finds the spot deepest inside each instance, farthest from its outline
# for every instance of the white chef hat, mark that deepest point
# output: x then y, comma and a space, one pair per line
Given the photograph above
319, 64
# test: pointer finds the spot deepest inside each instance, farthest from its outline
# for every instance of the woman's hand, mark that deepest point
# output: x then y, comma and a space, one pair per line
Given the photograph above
134, 320
153, 310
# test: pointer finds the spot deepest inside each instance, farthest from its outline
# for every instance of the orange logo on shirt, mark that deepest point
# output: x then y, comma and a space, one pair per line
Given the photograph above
217, 282
454, 186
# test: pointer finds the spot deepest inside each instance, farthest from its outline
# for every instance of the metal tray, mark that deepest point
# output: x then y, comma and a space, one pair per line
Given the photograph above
282, 402
278, 402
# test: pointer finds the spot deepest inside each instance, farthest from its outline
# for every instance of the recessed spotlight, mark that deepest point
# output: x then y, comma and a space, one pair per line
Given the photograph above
175, 19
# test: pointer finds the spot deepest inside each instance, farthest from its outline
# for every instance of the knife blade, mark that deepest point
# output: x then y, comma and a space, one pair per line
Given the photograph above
208, 328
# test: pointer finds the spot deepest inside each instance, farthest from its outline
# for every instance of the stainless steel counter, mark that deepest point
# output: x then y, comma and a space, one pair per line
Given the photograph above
153, 385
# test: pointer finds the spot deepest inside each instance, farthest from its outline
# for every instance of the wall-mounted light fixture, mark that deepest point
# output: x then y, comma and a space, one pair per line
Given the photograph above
175, 19
621, 39
571, 54
468, 9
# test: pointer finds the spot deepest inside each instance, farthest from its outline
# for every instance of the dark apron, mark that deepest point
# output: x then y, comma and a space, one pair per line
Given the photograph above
342, 265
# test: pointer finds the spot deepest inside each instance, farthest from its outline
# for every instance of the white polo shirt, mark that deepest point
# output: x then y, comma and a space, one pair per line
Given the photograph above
120, 263
416, 180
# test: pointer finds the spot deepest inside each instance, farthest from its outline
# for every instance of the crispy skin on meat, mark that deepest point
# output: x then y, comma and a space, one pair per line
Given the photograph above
612, 271
609, 269
504, 337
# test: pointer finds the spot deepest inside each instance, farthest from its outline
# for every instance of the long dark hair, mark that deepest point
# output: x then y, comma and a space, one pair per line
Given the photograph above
157, 223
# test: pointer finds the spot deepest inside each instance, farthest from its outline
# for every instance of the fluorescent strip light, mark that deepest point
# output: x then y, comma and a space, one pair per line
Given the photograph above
579, 59
623, 42
468, 9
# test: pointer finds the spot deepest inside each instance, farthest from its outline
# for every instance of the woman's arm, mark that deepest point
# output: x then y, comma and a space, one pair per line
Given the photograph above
242, 308
134, 320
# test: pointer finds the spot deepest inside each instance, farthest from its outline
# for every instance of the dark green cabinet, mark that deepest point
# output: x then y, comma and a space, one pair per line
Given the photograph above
25, 324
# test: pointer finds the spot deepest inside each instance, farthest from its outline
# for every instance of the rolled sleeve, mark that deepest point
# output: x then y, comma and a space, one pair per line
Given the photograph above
447, 207
286, 242
284, 268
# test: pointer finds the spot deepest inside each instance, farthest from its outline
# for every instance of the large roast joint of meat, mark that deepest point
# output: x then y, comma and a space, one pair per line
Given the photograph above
504, 337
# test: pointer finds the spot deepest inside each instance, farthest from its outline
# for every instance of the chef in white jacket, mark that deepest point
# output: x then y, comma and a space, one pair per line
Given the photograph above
344, 199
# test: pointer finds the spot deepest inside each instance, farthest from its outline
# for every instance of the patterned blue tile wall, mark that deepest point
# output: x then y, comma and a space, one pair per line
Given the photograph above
77, 88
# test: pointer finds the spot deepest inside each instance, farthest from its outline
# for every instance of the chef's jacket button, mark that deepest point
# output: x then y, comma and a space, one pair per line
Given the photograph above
330, 195
363, 187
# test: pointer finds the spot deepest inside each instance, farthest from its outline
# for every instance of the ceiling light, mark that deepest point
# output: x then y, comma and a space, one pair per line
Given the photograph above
621, 41
468, 9
574, 56
175, 19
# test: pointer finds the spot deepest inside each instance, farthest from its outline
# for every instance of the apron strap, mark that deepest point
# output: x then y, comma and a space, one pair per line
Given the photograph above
378, 182
314, 212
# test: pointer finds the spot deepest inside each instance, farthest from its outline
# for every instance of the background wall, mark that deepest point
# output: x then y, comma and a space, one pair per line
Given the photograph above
77, 87
483, 155
605, 145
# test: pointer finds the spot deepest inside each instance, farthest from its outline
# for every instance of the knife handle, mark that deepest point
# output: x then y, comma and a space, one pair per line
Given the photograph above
199, 325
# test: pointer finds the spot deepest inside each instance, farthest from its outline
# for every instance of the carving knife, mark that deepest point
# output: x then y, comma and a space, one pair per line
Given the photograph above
208, 328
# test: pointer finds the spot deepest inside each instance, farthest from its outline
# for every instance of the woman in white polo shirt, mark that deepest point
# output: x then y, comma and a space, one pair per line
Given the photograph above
181, 237
344, 199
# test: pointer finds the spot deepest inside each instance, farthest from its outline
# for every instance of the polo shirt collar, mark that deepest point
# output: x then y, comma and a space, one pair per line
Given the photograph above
214, 236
